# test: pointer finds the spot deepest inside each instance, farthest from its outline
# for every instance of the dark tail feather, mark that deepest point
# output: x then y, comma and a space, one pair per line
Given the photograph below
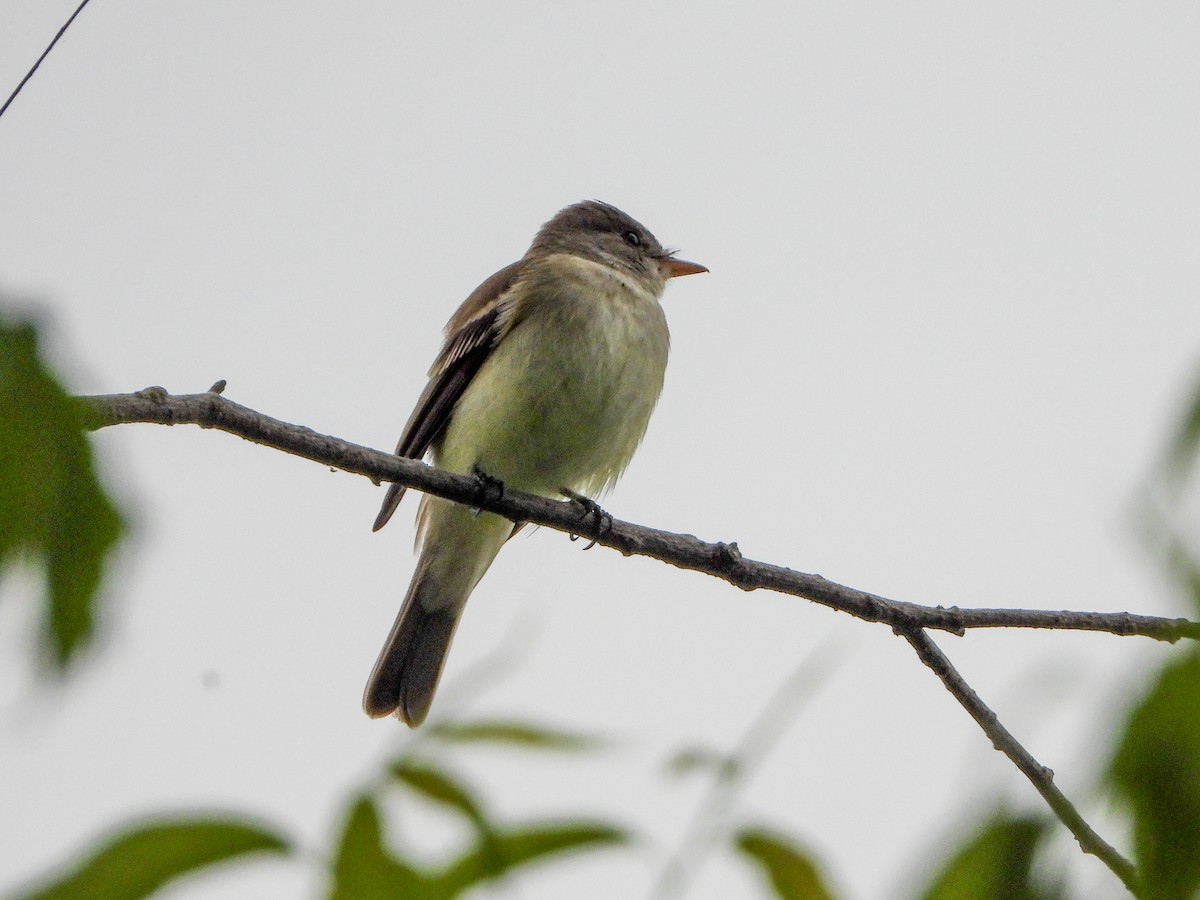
395, 493
407, 671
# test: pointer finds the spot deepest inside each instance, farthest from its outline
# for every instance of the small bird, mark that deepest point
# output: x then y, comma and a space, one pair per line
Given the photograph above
546, 381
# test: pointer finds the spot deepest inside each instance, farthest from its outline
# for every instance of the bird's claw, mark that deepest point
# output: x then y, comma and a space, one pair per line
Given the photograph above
589, 507
487, 487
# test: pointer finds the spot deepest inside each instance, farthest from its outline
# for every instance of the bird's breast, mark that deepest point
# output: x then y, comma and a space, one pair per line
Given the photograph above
566, 395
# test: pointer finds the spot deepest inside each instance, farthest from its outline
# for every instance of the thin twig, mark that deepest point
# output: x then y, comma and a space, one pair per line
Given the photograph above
712, 817
1002, 739
45, 53
719, 559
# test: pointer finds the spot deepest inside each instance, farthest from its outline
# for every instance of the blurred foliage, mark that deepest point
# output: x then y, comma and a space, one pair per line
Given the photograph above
364, 869
496, 848
995, 864
792, 872
1183, 450
1167, 504
53, 511
694, 759
1156, 771
363, 866
142, 859
367, 869
515, 734
440, 787
520, 846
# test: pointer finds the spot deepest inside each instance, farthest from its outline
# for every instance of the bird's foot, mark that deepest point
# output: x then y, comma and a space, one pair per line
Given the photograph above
488, 487
589, 508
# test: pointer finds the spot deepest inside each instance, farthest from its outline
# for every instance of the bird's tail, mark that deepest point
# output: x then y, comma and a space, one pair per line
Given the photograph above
457, 548
410, 664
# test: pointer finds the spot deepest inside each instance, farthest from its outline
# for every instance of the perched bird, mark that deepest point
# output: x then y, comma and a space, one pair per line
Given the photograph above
546, 382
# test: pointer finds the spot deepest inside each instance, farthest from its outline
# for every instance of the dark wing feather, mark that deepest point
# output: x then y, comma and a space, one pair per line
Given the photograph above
470, 336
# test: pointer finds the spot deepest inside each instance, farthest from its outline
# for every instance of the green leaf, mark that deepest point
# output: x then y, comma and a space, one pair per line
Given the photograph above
1156, 769
52, 508
143, 859
792, 873
515, 847
440, 787
497, 850
436, 785
365, 870
994, 864
517, 734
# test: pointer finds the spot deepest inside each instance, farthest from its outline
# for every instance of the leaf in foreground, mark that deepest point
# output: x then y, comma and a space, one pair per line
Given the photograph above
994, 864
792, 873
51, 506
1156, 769
143, 859
438, 786
516, 734
364, 869
521, 846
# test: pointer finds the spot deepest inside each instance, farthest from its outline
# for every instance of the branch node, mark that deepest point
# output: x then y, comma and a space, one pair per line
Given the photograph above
728, 559
906, 628
953, 625
155, 393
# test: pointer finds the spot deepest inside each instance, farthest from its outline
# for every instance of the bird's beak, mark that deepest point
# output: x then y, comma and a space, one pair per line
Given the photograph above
673, 268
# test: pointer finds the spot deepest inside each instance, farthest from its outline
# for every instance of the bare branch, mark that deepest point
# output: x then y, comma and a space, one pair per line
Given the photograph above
721, 560
1002, 739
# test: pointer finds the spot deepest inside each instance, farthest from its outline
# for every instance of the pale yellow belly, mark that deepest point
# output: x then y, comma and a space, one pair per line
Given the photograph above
564, 399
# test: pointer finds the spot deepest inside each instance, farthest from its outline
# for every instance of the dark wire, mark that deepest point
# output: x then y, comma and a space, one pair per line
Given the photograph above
45, 52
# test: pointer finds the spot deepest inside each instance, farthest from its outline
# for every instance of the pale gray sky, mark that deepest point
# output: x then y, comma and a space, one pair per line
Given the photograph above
953, 310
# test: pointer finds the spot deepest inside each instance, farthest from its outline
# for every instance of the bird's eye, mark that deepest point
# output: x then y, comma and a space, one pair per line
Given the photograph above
632, 238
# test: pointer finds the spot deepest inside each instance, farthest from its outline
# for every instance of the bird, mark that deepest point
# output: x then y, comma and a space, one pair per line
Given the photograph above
545, 383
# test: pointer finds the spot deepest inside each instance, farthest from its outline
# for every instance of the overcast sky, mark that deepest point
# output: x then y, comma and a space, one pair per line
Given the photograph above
952, 315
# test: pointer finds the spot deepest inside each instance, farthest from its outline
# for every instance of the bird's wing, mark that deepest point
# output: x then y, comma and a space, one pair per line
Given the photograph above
471, 334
